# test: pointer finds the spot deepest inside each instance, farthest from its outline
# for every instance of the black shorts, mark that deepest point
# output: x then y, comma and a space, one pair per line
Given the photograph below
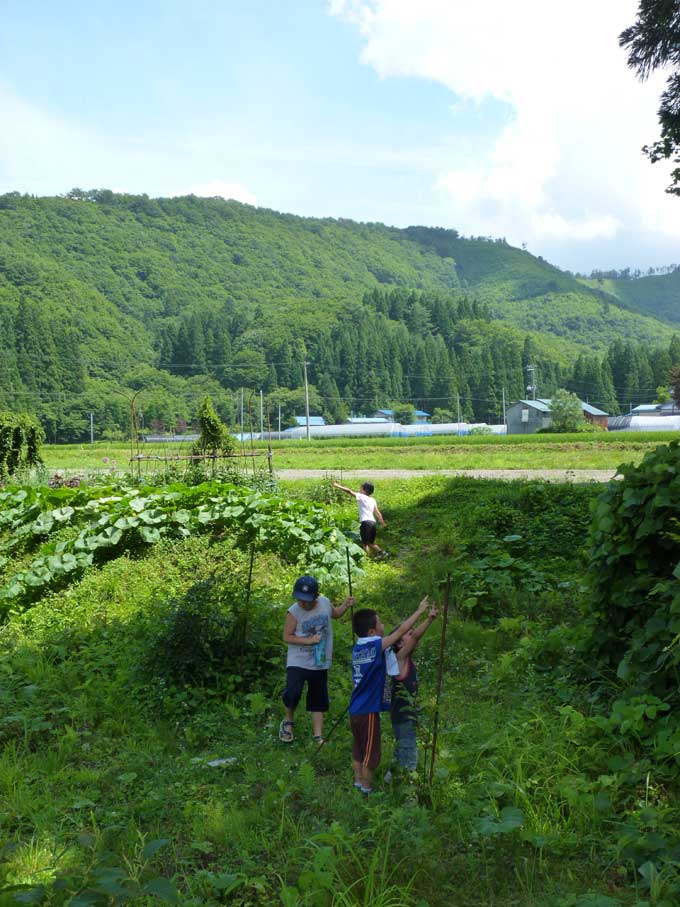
317, 689
367, 530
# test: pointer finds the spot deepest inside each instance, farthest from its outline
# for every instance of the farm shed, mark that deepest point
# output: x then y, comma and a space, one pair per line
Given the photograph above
595, 415
528, 416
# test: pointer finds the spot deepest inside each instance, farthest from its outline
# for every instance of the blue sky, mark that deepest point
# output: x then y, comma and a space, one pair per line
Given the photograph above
503, 121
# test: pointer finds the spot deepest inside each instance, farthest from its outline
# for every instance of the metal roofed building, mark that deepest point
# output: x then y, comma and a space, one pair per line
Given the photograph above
528, 416
369, 420
388, 414
656, 409
313, 420
595, 415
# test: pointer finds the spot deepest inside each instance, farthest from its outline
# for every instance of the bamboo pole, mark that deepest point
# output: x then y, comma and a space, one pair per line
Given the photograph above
442, 644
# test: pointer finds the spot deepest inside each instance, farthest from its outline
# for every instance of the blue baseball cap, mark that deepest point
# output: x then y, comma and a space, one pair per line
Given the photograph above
306, 588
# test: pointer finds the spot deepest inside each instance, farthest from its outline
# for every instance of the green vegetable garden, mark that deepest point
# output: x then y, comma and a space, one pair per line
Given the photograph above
141, 666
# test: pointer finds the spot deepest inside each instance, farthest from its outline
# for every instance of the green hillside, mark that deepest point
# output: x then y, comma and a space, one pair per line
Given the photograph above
657, 296
102, 295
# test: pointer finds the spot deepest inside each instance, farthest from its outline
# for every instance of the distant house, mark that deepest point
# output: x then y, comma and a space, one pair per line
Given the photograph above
528, 416
656, 409
421, 416
595, 415
313, 420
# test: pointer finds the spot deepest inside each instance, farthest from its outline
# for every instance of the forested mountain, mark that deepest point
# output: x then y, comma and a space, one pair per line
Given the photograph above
102, 295
657, 295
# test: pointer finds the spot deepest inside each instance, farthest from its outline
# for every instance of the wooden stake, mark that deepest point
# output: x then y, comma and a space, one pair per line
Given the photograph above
442, 643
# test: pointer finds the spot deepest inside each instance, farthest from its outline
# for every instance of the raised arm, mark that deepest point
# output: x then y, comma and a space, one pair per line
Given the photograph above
340, 610
422, 629
290, 637
404, 627
344, 488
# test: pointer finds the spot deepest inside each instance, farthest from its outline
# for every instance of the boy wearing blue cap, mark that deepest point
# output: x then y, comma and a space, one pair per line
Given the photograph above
309, 635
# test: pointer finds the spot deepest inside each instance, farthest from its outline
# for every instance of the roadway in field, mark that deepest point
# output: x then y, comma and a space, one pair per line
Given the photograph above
545, 475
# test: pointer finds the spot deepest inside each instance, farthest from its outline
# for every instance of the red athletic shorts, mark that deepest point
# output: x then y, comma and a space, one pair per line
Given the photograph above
366, 733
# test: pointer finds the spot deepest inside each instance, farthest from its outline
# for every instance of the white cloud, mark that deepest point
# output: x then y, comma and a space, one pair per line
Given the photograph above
47, 154
568, 165
221, 189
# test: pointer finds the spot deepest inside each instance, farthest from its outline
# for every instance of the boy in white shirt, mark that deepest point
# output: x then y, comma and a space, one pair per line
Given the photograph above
368, 511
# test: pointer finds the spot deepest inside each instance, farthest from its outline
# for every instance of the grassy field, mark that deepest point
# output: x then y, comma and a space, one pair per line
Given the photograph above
583, 451
110, 775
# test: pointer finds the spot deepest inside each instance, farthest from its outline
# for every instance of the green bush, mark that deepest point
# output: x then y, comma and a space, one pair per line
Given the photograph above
634, 567
213, 637
21, 438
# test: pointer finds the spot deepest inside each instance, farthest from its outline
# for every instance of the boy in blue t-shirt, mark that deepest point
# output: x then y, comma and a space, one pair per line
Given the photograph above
368, 700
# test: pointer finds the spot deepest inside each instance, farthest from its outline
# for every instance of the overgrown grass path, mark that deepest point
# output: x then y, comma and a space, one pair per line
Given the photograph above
543, 475
108, 770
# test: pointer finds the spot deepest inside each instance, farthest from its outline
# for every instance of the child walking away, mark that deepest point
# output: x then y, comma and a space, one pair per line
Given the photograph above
404, 691
309, 635
368, 700
368, 511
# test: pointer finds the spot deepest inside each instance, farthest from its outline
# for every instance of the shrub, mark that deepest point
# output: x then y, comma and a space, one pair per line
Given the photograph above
565, 412
404, 413
20, 440
208, 638
634, 567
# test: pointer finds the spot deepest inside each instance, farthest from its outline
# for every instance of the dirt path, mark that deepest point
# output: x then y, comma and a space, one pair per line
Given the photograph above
547, 475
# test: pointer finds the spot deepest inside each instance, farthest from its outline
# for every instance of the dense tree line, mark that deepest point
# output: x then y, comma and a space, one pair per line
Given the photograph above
105, 296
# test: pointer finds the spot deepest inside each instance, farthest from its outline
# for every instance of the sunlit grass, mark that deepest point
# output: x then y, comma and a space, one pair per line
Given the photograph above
123, 763
604, 450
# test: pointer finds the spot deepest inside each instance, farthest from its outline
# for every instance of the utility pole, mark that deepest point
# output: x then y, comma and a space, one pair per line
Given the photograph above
458, 403
504, 419
91, 428
305, 364
279, 421
241, 410
261, 414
